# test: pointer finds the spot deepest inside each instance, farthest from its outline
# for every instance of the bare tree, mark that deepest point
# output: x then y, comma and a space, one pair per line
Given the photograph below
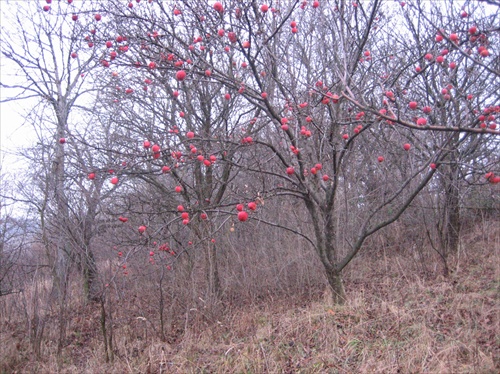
338, 117
349, 107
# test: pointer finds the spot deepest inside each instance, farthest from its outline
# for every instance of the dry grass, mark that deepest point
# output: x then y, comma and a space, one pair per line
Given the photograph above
396, 321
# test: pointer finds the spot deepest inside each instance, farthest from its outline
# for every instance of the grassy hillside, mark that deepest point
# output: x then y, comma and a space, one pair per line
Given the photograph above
397, 320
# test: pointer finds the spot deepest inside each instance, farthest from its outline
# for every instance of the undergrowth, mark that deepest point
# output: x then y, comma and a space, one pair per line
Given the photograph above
396, 320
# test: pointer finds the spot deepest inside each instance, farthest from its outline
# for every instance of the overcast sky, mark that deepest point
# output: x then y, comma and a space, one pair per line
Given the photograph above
12, 136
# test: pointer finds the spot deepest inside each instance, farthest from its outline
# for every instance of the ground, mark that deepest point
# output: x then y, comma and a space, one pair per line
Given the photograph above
398, 319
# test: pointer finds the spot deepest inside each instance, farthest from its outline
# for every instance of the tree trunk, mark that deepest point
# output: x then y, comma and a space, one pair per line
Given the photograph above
90, 275
452, 219
452, 201
213, 289
336, 286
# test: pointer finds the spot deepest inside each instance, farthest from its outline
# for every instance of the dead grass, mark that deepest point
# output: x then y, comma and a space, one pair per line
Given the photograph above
397, 320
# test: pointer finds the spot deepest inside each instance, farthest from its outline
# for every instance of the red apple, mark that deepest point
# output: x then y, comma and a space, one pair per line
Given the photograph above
239, 207
326, 178
114, 180
406, 147
290, 170
232, 37
97, 17
62, 140
147, 144
218, 7
380, 159
180, 208
190, 135
264, 8
252, 205
433, 166
74, 17
46, 8
421, 121
484, 53
203, 216
142, 229
178, 189
413, 105
242, 216
91, 176
180, 75
123, 219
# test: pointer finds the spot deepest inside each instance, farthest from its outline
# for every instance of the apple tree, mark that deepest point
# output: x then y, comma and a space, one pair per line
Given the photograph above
349, 107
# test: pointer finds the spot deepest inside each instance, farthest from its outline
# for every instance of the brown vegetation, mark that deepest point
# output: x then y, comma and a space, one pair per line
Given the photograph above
233, 188
398, 318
